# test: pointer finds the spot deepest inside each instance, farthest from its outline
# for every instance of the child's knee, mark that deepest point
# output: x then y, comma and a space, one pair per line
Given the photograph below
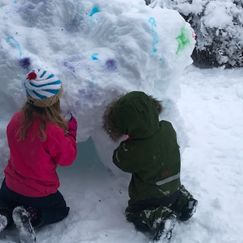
150, 217
53, 215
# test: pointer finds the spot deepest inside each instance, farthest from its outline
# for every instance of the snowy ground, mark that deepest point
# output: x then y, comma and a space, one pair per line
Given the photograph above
211, 104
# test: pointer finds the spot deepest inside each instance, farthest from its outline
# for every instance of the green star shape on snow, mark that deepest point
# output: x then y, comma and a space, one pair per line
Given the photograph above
182, 40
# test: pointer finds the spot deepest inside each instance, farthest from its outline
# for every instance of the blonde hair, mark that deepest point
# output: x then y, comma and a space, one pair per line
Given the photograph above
44, 114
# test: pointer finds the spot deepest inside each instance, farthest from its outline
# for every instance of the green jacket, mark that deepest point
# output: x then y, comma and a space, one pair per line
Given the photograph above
151, 153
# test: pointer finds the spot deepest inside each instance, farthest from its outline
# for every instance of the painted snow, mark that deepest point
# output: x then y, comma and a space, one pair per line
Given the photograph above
98, 49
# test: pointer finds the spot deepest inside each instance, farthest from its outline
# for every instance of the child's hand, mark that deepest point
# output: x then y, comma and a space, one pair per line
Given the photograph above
72, 127
125, 137
68, 116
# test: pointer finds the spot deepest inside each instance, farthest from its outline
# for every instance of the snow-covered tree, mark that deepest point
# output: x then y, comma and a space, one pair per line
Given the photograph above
218, 25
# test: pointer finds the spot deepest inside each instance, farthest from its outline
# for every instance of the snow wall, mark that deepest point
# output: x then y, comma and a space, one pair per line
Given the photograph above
99, 50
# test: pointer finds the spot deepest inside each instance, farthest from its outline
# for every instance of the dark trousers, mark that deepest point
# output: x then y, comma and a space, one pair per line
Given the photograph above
148, 215
51, 209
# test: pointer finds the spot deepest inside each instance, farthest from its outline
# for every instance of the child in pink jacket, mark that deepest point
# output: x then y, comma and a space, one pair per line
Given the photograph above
39, 140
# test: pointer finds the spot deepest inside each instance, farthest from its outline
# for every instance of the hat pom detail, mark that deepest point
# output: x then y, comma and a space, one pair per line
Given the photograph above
31, 76
43, 88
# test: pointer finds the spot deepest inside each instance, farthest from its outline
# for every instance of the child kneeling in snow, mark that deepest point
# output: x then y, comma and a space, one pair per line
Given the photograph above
39, 140
151, 154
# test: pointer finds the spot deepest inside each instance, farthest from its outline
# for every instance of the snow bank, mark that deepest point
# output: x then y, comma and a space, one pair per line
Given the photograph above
219, 28
99, 49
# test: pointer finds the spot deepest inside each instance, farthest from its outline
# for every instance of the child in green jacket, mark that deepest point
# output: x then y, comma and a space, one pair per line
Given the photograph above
151, 154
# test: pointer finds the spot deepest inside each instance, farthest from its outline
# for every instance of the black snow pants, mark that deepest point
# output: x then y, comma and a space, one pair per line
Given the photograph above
49, 209
148, 215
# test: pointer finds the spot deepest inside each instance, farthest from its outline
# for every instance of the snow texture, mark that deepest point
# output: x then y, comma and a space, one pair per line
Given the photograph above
211, 103
219, 28
99, 50
3, 222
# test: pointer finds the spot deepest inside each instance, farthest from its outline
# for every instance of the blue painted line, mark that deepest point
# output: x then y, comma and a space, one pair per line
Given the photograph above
15, 44
94, 11
155, 36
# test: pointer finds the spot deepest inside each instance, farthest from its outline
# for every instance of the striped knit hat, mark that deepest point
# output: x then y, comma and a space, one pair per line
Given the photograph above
43, 89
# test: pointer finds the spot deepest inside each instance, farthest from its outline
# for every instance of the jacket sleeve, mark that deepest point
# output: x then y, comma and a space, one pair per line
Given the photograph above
61, 147
126, 158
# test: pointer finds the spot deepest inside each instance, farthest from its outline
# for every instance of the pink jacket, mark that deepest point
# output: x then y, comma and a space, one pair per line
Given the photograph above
31, 169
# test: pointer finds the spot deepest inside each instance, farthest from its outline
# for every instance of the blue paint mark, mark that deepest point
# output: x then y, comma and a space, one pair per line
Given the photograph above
94, 10
15, 44
95, 56
155, 36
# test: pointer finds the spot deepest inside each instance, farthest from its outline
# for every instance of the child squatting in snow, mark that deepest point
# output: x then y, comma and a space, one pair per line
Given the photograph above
39, 140
151, 154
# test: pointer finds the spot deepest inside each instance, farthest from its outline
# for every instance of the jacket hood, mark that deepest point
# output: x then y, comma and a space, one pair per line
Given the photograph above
135, 114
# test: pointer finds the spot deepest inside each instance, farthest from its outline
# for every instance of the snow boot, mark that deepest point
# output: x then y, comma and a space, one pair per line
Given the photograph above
189, 210
164, 232
3, 222
21, 218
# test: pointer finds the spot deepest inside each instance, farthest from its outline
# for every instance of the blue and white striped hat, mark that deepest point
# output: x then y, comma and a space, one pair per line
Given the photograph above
43, 88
